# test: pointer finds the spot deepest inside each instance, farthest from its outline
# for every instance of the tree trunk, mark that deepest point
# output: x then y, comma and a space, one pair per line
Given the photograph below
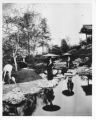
28, 44
15, 62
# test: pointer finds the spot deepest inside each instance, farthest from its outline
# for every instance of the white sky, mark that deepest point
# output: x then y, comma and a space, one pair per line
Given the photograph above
64, 20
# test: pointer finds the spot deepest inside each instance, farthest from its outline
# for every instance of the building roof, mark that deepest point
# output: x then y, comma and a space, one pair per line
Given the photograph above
87, 29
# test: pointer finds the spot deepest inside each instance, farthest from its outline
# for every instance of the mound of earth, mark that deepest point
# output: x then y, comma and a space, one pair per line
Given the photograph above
26, 75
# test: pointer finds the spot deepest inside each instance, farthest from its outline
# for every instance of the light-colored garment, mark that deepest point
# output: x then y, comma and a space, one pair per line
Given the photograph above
7, 68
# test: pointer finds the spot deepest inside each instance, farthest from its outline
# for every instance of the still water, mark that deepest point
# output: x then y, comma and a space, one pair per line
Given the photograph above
77, 104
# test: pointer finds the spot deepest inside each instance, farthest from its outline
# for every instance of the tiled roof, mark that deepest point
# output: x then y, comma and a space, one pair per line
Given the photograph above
89, 27
86, 29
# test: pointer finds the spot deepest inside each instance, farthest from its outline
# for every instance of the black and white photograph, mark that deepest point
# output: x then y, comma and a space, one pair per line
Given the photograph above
47, 59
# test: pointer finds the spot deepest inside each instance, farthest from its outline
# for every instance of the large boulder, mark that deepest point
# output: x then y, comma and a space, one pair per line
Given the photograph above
15, 103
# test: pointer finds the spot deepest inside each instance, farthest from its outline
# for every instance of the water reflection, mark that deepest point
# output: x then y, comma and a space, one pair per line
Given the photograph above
48, 96
48, 100
87, 89
51, 108
68, 93
70, 85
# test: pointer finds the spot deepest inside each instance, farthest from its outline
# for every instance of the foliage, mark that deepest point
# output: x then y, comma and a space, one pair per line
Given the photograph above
64, 46
55, 50
22, 34
89, 40
44, 34
77, 47
83, 43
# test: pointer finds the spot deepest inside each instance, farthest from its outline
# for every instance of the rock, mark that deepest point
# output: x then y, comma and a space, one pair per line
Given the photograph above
23, 108
14, 97
43, 75
35, 90
28, 107
81, 69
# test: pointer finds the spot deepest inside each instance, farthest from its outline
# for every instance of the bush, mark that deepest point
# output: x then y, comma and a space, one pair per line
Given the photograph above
29, 59
40, 68
7, 60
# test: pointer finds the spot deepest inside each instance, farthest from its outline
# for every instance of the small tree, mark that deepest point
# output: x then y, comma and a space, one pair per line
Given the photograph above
12, 31
11, 37
21, 33
44, 34
64, 46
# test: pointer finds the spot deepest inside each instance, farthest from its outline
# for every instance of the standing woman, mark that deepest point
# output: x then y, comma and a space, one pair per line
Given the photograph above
68, 62
50, 68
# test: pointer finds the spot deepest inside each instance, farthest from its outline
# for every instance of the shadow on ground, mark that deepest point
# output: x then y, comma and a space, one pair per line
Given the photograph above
87, 89
67, 93
51, 108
